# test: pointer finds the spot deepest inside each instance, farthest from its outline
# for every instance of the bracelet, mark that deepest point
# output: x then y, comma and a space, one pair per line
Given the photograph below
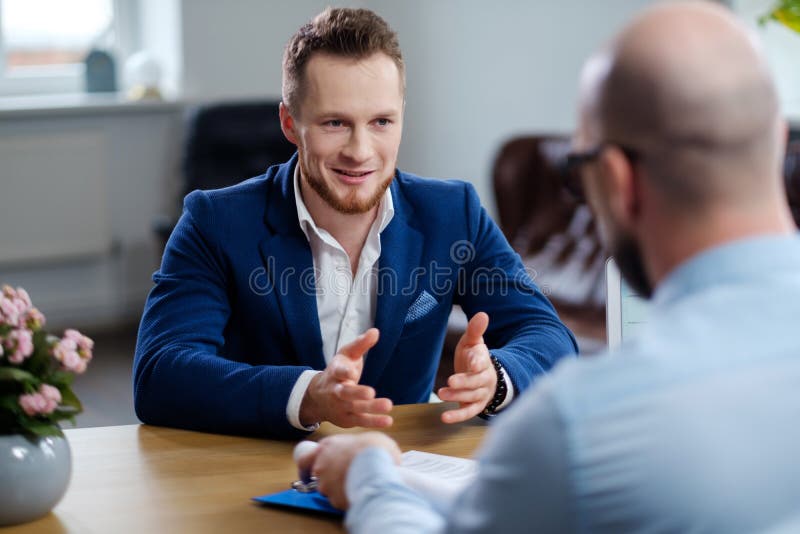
500, 391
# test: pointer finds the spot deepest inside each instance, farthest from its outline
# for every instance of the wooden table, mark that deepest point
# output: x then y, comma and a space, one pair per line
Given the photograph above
145, 479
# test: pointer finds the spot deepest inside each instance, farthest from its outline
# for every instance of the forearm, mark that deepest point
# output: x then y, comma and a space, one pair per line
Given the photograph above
182, 386
533, 350
381, 502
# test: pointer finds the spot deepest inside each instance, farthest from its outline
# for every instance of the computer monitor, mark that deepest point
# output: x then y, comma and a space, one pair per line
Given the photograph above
626, 312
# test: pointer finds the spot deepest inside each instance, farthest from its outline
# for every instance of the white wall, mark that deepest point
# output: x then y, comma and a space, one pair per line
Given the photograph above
782, 48
233, 49
478, 72
140, 172
481, 72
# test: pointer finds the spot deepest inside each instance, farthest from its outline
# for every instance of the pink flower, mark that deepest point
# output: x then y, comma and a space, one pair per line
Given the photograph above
70, 354
50, 393
33, 403
34, 319
84, 343
14, 305
73, 362
8, 312
26, 299
9, 291
20, 344
42, 403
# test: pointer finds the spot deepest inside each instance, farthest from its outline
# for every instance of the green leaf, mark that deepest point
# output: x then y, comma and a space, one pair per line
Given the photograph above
10, 402
15, 374
68, 398
61, 415
40, 428
60, 379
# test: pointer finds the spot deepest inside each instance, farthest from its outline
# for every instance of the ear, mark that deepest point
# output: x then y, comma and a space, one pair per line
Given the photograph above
622, 188
287, 124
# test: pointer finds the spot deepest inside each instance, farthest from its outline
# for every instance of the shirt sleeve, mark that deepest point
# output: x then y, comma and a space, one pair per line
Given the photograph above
522, 483
296, 399
381, 502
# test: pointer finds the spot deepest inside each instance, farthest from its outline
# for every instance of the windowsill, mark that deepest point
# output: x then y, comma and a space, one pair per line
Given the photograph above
79, 104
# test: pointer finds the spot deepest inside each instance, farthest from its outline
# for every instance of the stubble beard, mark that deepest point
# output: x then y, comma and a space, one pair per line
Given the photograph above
349, 205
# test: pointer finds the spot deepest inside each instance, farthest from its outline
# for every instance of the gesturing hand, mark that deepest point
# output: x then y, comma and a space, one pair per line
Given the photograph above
475, 379
334, 394
331, 460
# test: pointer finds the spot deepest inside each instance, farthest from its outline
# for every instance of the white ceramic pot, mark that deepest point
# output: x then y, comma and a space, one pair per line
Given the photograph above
34, 474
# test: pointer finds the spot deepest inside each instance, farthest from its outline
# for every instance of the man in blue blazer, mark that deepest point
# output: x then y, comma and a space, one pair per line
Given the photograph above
320, 291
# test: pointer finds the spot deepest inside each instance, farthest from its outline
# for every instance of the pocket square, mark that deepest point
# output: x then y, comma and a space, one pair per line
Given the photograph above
421, 307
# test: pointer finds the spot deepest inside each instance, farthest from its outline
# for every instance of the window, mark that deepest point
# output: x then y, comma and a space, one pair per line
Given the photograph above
43, 43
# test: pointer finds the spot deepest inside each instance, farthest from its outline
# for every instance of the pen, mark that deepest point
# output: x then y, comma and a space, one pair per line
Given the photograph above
301, 449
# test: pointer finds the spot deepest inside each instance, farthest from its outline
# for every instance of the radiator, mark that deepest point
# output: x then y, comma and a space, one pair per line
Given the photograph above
53, 196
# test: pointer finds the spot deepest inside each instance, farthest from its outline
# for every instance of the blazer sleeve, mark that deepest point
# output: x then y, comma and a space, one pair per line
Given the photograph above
180, 378
524, 333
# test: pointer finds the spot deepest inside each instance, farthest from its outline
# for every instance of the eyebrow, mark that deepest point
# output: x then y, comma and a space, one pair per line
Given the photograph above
340, 115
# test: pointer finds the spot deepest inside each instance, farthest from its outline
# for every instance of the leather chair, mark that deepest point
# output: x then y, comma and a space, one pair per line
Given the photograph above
554, 233
227, 143
791, 172
533, 208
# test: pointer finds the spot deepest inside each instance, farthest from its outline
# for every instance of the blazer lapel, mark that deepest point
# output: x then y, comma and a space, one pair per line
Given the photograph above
287, 257
401, 250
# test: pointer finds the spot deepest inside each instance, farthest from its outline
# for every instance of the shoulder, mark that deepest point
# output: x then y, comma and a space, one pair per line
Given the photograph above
233, 206
436, 194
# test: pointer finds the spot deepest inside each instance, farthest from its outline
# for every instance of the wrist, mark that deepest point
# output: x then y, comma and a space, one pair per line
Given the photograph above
309, 412
500, 393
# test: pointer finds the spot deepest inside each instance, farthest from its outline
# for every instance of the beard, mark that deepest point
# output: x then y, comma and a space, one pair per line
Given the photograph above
628, 255
350, 204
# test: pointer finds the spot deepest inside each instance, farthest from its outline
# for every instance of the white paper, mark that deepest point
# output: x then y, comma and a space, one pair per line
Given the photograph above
437, 477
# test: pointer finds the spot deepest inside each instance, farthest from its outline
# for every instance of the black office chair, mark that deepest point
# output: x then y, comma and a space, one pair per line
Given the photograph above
227, 143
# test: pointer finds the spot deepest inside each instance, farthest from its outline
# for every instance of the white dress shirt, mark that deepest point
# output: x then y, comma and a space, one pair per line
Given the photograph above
345, 303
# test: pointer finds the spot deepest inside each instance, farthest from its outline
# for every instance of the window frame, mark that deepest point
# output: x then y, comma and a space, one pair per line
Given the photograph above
70, 78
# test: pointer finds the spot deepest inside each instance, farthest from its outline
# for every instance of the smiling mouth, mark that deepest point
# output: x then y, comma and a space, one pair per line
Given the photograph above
353, 174
352, 177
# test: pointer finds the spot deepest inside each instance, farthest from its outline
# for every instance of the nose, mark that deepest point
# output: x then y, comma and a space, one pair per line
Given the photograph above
358, 147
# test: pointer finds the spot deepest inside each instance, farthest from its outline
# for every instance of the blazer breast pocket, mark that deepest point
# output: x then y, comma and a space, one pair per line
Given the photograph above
424, 304
423, 314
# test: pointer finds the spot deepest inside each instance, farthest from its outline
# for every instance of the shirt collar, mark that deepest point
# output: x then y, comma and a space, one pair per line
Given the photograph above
307, 224
741, 260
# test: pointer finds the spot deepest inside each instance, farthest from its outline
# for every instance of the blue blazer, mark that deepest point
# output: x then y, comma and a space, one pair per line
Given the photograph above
232, 320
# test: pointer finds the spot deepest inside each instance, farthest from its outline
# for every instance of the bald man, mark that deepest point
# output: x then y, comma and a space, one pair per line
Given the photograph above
693, 426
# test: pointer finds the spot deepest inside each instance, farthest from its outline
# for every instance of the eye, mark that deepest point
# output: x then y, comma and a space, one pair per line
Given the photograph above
334, 123
383, 122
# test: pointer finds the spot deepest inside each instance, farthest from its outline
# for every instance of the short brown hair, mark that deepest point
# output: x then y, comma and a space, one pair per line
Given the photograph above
346, 32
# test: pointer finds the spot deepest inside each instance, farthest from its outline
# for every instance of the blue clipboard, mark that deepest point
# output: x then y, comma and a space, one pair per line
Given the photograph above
293, 499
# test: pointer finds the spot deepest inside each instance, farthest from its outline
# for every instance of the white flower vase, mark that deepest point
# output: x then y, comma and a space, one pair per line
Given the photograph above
34, 474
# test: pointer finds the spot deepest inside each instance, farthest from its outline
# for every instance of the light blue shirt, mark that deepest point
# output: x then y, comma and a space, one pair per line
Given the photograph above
694, 426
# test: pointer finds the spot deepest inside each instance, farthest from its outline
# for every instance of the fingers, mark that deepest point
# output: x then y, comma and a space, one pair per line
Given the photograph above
305, 461
343, 370
475, 329
462, 414
360, 345
353, 392
372, 420
465, 396
480, 379
375, 406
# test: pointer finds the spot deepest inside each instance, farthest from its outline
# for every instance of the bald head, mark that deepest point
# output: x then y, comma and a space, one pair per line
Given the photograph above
686, 85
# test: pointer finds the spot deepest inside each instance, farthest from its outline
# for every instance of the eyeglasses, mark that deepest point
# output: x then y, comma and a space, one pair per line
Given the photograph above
574, 161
